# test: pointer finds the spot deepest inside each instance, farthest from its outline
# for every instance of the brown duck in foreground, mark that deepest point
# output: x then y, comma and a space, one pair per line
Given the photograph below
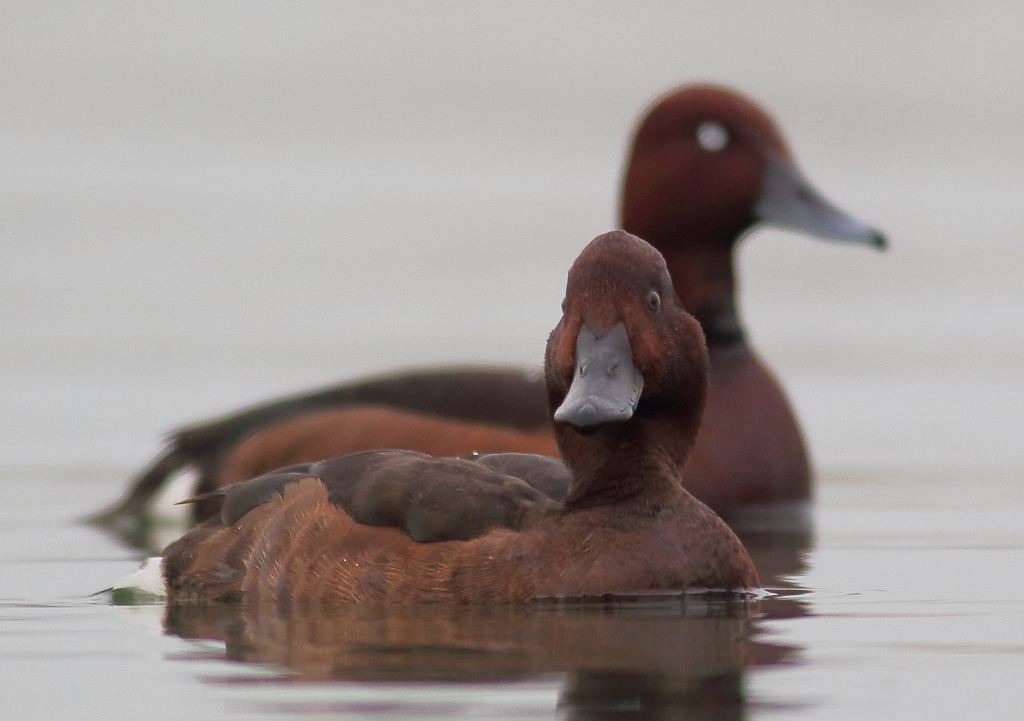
626, 379
707, 165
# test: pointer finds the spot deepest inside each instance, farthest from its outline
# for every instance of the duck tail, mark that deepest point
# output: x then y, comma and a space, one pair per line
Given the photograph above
135, 502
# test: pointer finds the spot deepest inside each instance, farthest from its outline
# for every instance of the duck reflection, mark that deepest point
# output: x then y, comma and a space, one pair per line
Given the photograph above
779, 539
662, 656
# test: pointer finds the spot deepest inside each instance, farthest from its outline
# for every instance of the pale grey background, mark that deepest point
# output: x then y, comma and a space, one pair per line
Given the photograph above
204, 204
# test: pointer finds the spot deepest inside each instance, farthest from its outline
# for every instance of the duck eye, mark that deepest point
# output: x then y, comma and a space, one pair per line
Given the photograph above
712, 136
653, 300
563, 305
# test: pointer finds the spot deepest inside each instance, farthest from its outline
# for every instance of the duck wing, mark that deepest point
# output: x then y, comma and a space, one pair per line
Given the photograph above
429, 499
503, 396
544, 473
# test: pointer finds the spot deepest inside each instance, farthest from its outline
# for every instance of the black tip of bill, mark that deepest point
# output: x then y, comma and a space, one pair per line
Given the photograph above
788, 200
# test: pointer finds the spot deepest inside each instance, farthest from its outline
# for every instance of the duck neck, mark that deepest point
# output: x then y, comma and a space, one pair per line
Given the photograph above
618, 465
704, 277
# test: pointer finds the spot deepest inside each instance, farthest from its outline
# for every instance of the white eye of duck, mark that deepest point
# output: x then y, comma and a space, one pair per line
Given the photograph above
712, 136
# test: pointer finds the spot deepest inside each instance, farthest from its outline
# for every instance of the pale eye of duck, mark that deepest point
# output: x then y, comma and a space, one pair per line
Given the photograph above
712, 136
653, 300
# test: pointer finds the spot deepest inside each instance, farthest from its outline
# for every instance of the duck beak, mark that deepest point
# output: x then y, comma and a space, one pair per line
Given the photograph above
606, 386
788, 200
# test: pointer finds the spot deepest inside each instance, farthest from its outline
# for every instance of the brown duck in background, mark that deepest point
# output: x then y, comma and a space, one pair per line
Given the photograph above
626, 374
707, 165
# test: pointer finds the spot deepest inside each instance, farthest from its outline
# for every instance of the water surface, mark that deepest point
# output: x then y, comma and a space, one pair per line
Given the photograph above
866, 622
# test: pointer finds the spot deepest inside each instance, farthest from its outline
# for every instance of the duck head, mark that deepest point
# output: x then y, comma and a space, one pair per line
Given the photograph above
707, 165
626, 371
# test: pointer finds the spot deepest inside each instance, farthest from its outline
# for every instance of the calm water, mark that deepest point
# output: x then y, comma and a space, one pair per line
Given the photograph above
907, 602
205, 204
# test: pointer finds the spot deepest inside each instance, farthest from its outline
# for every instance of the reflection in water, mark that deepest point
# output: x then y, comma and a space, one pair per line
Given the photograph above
779, 539
654, 657
781, 561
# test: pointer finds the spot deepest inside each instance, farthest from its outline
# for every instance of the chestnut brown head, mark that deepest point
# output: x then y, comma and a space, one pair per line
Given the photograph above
626, 363
707, 164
